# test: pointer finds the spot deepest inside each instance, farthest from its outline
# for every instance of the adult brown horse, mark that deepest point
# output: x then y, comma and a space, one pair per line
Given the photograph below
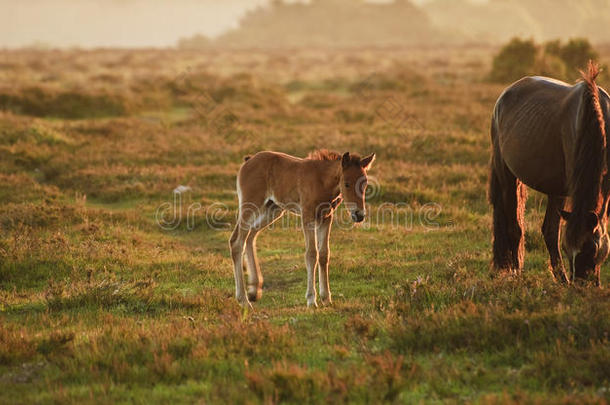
551, 136
271, 183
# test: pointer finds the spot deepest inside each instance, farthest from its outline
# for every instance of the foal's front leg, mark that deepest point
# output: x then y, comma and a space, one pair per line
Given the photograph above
323, 236
311, 260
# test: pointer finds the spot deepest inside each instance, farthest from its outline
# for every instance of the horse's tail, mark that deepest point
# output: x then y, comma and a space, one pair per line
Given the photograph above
496, 163
592, 116
590, 156
502, 248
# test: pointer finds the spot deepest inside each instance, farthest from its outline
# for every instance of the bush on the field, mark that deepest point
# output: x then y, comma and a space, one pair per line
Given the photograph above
575, 55
515, 60
521, 58
549, 65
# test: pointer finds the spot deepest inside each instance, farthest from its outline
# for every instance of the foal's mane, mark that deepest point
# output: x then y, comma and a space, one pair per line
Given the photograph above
590, 165
323, 154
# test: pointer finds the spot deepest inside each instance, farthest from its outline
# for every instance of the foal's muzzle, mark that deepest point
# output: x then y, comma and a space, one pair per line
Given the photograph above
357, 216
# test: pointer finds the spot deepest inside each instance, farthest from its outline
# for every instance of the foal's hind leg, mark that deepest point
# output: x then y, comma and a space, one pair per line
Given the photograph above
247, 215
255, 277
311, 259
507, 195
237, 242
550, 230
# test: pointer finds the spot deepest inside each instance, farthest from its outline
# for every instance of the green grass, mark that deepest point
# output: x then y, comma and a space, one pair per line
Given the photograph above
99, 304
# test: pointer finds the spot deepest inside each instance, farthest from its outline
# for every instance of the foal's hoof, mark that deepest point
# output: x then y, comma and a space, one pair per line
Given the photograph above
244, 303
312, 303
254, 293
326, 301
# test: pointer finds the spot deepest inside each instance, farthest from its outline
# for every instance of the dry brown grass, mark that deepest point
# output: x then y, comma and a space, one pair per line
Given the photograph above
99, 304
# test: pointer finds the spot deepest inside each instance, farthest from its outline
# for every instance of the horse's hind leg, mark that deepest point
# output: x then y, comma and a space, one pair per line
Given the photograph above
517, 227
550, 230
255, 277
507, 195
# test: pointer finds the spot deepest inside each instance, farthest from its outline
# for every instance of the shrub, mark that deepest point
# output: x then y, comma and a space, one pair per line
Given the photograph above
575, 55
515, 60
523, 57
553, 48
550, 65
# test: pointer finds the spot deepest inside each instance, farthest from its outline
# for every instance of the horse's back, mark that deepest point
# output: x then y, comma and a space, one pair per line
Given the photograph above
530, 91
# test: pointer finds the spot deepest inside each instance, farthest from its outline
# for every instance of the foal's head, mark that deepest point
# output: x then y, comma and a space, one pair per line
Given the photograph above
353, 183
587, 245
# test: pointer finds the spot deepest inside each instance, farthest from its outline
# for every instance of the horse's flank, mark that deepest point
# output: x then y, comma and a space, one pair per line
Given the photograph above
551, 136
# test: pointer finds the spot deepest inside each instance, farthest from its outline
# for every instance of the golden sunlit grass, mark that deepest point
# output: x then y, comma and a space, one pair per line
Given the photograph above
98, 303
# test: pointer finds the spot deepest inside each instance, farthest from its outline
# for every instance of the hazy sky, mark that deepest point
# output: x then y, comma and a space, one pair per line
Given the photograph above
126, 23
123, 23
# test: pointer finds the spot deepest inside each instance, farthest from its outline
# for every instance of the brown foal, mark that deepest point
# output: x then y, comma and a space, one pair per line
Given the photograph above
271, 183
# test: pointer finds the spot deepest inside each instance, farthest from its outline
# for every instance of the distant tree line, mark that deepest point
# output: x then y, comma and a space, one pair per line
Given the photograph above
349, 23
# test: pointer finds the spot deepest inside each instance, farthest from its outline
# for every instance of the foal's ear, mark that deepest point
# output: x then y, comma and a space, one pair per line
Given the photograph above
345, 159
565, 215
367, 161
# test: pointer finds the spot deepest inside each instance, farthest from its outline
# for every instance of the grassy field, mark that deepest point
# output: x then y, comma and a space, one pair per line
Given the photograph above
107, 296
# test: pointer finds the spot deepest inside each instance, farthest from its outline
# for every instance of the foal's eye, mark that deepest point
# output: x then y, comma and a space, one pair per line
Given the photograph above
346, 185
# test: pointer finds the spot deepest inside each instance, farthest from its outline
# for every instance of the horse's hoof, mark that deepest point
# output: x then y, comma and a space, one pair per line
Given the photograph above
501, 273
560, 277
